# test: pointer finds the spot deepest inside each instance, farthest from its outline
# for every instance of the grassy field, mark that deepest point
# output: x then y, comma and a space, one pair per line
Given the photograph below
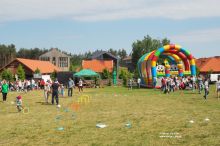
156, 119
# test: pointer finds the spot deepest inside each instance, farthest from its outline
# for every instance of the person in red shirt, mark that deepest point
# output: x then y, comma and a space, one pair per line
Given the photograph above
163, 83
42, 83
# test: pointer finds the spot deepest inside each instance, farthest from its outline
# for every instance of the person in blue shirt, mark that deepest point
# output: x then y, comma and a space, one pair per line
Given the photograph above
70, 87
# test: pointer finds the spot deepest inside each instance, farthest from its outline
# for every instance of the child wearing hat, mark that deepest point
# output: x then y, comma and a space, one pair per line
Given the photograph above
19, 103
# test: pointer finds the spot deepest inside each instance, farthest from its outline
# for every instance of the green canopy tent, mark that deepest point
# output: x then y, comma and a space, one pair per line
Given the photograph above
86, 73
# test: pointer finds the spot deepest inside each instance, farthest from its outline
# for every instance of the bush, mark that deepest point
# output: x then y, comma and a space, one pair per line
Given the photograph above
53, 76
125, 75
125, 81
106, 74
109, 82
20, 72
7, 75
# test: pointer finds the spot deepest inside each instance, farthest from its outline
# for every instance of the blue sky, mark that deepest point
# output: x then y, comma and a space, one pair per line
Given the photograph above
78, 26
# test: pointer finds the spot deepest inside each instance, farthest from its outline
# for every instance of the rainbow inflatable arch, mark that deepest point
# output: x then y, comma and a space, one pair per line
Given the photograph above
175, 61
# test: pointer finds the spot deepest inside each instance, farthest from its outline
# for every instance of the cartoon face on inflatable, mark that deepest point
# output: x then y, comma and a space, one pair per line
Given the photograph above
160, 68
173, 68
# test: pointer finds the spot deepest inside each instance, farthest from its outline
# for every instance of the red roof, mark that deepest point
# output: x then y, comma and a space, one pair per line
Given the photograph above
208, 64
201, 61
43, 66
98, 65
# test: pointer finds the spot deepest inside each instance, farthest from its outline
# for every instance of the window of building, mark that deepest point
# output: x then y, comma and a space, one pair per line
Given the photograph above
63, 61
54, 60
45, 58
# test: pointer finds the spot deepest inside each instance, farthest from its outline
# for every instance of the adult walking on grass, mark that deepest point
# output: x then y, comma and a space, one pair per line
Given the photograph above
200, 84
206, 86
70, 87
47, 91
218, 87
4, 90
193, 81
80, 86
55, 92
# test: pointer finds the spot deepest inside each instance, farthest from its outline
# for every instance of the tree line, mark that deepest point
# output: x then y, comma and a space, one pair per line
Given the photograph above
139, 48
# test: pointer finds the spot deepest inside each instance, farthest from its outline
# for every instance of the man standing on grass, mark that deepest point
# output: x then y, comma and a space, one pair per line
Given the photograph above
55, 92
206, 86
193, 78
70, 87
200, 83
218, 87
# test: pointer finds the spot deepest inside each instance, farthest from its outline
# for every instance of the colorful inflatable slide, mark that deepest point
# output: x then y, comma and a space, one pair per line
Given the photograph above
166, 61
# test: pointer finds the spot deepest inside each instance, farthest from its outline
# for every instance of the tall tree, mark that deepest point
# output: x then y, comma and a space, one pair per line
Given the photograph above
113, 52
148, 44
87, 55
30, 53
122, 53
20, 72
7, 54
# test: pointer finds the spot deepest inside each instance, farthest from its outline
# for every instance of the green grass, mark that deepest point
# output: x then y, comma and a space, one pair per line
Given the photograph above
150, 113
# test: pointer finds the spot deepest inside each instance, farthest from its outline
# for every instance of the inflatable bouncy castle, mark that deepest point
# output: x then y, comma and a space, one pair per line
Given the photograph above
166, 61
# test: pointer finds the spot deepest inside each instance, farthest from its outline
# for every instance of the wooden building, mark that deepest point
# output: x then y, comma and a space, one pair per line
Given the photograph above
30, 66
127, 62
101, 60
57, 58
106, 56
98, 65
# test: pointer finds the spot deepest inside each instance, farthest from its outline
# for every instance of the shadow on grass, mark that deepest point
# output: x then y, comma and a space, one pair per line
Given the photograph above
190, 93
43, 103
15, 112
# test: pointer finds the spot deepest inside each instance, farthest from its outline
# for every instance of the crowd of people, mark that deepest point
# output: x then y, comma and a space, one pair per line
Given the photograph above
53, 89
56, 89
170, 84
25, 85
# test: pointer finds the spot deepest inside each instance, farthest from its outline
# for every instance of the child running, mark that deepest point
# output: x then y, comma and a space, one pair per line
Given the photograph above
19, 103
62, 90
